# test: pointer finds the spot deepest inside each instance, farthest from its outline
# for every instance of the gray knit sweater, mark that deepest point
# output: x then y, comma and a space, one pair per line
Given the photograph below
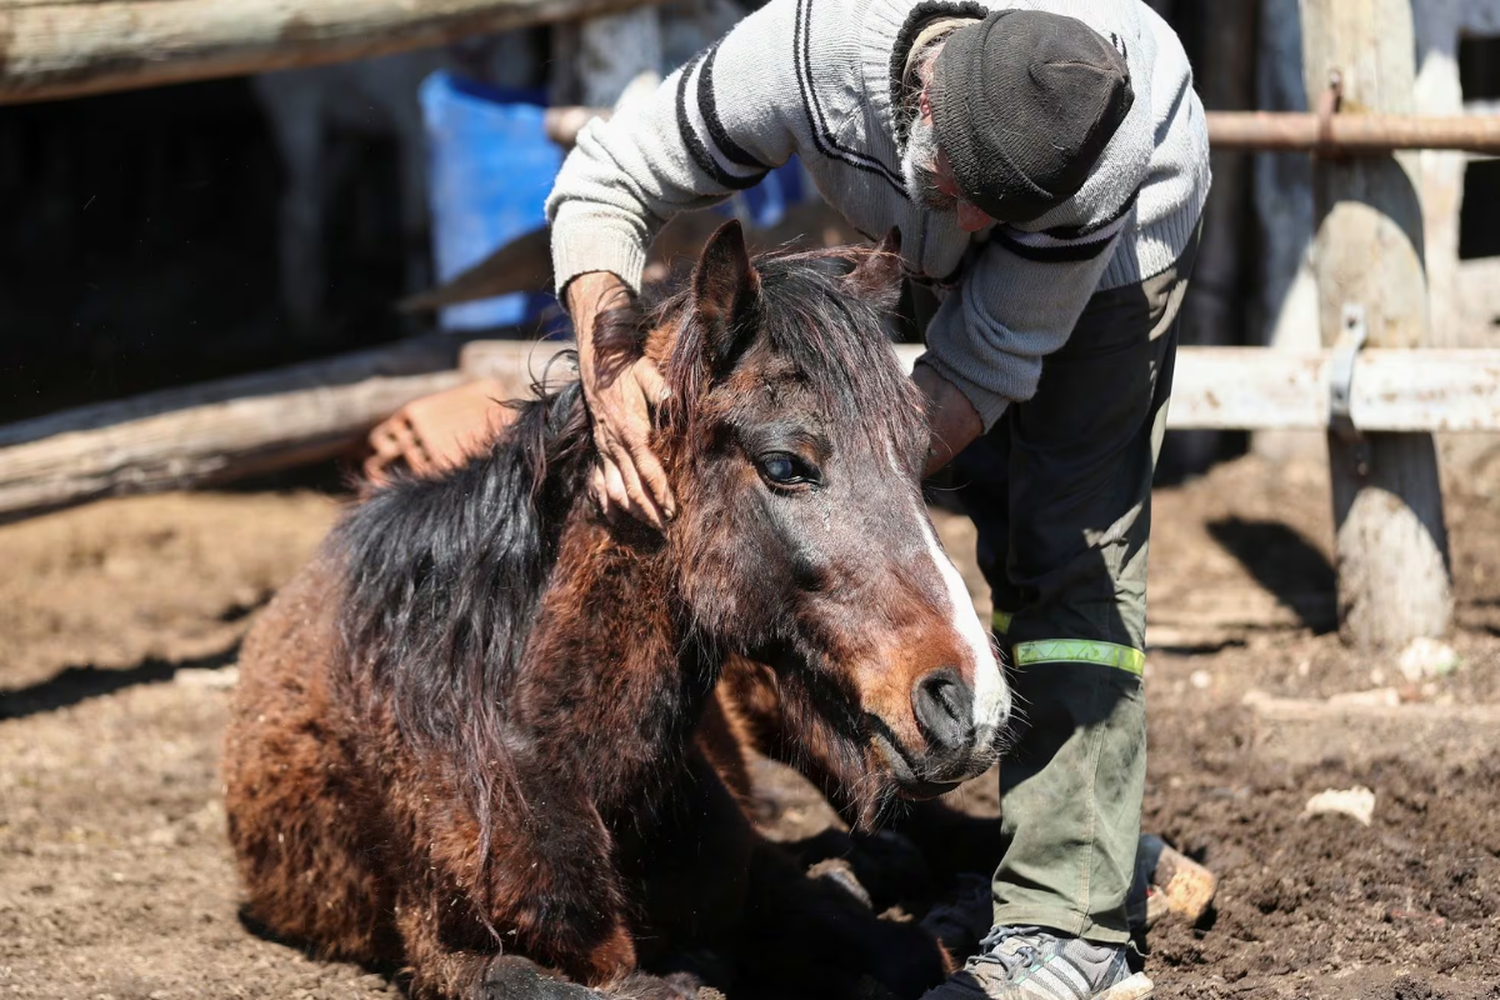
814, 77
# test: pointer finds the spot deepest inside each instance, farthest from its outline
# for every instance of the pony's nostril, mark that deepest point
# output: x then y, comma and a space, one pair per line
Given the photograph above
944, 707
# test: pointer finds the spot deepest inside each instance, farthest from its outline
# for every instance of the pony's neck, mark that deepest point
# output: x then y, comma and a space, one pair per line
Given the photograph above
610, 684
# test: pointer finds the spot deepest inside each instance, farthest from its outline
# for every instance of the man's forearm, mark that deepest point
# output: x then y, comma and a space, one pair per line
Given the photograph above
588, 295
952, 419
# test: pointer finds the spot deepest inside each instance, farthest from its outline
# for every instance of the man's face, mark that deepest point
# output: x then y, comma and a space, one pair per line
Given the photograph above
971, 218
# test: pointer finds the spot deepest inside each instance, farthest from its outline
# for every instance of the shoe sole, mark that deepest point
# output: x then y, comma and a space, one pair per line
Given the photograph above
1137, 987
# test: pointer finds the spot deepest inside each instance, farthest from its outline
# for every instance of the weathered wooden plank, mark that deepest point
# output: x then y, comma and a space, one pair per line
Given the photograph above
1251, 388
215, 432
63, 48
1412, 391
1350, 134
516, 364
1255, 388
1301, 733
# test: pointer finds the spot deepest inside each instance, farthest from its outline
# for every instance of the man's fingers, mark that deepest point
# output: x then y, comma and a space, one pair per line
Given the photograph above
634, 479
642, 504
619, 497
384, 442
409, 445
599, 490
652, 384
654, 478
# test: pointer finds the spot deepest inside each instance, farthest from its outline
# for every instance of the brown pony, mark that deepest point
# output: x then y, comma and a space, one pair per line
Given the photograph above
463, 738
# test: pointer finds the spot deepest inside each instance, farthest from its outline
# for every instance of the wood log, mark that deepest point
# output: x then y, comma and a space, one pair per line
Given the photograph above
1291, 131
1391, 541
1258, 388
214, 432
517, 365
68, 48
1303, 733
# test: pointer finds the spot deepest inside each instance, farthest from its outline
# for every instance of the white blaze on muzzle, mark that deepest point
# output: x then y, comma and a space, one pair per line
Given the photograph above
991, 693
992, 699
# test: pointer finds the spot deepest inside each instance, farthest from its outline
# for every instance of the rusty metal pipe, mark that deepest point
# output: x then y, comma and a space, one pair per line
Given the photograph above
1253, 130
1351, 133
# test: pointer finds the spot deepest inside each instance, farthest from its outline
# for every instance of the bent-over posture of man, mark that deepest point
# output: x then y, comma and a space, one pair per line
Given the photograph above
1046, 163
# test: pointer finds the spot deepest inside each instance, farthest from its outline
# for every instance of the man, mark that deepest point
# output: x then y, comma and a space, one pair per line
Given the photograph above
1046, 163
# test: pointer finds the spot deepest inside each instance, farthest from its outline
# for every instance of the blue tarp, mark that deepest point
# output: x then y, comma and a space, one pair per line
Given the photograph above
491, 167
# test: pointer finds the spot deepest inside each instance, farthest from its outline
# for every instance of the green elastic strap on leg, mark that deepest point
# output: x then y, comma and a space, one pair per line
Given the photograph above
1001, 621
1107, 654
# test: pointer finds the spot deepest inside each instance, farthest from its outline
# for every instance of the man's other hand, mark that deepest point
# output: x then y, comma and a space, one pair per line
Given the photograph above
952, 419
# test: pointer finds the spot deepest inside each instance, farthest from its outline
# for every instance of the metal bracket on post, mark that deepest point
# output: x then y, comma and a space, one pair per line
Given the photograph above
1329, 103
1352, 336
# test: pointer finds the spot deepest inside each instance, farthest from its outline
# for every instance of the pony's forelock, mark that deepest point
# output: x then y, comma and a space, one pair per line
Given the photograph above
806, 314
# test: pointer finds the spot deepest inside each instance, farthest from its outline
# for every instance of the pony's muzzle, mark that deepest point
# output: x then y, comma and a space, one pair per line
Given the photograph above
960, 739
944, 709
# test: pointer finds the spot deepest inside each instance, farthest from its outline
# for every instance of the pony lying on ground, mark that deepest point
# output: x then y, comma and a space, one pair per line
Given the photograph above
463, 741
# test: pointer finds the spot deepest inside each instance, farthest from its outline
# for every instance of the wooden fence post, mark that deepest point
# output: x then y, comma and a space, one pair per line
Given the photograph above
1391, 540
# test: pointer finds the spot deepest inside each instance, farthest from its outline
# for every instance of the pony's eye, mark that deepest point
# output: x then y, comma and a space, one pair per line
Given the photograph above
784, 469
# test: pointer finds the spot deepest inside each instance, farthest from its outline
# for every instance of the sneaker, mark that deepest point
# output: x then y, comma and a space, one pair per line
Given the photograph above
1028, 963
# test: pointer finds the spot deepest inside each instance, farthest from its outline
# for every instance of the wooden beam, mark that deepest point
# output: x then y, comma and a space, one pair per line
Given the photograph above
68, 48
1391, 543
1228, 388
515, 364
214, 432
1257, 388
217, 432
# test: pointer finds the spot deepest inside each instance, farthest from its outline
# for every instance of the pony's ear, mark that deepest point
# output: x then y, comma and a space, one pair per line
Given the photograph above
877, 277
725, 291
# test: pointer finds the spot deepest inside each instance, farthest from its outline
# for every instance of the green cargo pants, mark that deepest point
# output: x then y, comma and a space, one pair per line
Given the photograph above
1060, 490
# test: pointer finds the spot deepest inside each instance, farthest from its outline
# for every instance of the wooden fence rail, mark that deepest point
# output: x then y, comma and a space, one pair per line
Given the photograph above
1239, 388
68, 48
221, 431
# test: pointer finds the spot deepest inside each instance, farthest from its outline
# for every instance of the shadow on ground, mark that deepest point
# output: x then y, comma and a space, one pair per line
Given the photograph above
1287, 565
76, 684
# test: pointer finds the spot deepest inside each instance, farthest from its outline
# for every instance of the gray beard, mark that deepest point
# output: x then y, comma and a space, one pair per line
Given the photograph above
916, 168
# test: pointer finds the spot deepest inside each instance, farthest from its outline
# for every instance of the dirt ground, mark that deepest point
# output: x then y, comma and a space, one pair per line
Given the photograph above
119, 624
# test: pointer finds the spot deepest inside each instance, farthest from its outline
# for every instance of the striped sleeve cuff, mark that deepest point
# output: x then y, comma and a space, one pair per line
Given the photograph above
592, 243
1065, 245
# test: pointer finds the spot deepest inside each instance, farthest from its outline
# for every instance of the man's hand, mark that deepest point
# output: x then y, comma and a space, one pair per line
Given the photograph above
620, 390
952, 418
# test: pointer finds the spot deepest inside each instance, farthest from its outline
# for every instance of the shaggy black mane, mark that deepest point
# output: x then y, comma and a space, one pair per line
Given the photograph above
445, 577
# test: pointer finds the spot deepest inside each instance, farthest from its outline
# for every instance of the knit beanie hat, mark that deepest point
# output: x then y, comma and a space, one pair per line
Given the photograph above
1026, 103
